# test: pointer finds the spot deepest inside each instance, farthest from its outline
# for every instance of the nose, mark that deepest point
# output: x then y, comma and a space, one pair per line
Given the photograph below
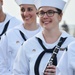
45, 15
26, 12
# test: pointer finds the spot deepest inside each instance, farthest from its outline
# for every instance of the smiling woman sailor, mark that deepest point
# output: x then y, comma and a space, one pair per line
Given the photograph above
14, 38
34, 55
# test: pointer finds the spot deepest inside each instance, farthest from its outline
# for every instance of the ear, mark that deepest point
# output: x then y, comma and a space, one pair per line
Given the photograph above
61, 14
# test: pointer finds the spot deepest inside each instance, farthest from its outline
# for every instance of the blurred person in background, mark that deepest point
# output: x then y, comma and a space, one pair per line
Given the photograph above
15, 37
6, 21
65, 27
40, 54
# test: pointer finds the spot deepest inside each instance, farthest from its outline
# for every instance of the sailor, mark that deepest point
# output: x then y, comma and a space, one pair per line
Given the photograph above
6, 21
15, 37
35, 54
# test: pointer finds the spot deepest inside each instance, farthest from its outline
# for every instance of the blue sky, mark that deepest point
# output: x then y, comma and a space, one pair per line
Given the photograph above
69, 15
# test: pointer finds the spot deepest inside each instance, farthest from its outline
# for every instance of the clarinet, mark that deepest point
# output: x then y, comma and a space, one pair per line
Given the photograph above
56, 50
53, 55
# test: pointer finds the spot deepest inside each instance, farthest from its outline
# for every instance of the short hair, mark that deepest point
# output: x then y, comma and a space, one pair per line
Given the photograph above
59, 11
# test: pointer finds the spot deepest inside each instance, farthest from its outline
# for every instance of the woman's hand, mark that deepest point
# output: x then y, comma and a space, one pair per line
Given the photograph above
50, 70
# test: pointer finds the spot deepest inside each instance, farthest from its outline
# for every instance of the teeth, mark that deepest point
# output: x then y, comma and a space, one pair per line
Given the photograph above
46, 22
27, 18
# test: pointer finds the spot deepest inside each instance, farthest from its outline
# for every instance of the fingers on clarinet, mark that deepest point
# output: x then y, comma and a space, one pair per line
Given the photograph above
51, 67
50, 70
48, 73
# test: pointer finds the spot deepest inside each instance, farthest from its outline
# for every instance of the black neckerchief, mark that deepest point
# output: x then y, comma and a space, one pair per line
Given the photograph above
23, 36
37, 63
5, 28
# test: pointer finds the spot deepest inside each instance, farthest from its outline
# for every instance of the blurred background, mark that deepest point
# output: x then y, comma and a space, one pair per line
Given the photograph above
68, 18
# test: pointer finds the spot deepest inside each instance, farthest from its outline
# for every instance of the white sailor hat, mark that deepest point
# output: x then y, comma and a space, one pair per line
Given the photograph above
53, 3
19, 2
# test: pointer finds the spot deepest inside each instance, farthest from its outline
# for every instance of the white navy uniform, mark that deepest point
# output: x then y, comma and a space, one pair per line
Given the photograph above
12, 22
30, 50
9, 46
66, 66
